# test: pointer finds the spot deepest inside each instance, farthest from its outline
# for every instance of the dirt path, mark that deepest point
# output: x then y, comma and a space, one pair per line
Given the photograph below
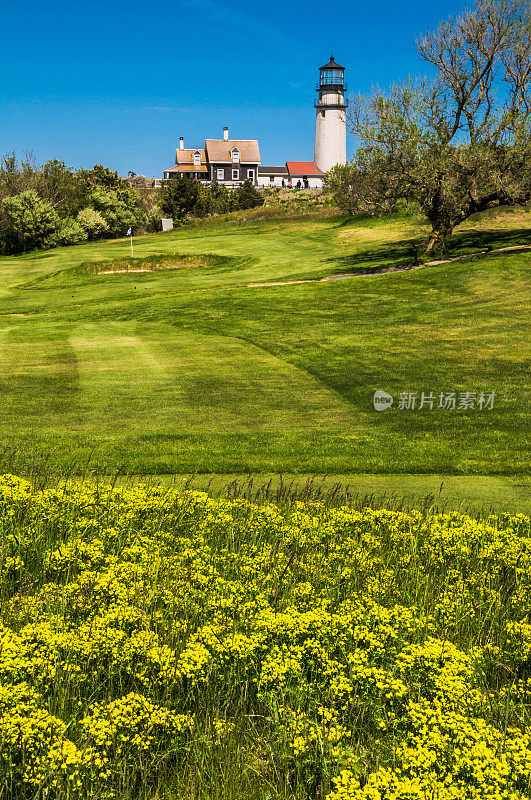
386, 270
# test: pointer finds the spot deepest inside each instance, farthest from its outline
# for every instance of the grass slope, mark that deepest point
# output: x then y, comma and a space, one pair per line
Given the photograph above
191, 370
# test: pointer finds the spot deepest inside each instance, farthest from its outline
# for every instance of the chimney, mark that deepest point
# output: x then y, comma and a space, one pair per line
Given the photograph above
181, 143
226, 133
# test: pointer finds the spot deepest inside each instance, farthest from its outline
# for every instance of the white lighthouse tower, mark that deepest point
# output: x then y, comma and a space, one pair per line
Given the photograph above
331, 117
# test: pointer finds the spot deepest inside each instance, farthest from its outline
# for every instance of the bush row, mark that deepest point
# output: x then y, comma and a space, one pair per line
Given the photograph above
51, 205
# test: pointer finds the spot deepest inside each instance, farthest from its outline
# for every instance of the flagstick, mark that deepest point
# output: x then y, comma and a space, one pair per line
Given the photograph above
131, 245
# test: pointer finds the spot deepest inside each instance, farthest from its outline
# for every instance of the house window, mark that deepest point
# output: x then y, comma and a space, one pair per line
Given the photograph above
235, 174
322, 113
197, 158
272, 178
250, 174
235, 156
220, 174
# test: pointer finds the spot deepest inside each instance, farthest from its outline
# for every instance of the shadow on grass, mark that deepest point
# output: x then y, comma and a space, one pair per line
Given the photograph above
396, 254
410, 252
463, 242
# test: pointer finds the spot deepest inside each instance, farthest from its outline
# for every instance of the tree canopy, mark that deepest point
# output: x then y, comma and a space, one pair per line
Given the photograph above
455, 143
50, 205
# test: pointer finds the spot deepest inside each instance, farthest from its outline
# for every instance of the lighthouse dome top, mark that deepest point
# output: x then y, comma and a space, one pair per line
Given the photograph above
332, 64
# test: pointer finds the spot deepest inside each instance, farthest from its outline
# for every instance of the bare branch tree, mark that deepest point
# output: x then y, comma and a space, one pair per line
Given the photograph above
461, 142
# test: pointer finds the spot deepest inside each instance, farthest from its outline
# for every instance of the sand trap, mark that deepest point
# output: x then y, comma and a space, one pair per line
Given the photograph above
148, 269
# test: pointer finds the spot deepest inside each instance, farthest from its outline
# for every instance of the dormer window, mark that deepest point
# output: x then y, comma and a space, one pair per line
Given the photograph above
235, 156
197, 157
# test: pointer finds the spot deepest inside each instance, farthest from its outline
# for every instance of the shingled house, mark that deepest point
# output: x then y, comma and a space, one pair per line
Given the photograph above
191, 163
233, 161
227, 161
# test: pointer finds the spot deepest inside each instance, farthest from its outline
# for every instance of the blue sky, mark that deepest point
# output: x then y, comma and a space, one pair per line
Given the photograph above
117, 83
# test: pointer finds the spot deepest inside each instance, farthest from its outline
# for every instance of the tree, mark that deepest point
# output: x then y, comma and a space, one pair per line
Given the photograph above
360, 187
461, 142
179, 197
92, 223
248, 196
60, 186
121, 209
27, 222
17, 176
221, 197
103, 176
70, 231
50, 205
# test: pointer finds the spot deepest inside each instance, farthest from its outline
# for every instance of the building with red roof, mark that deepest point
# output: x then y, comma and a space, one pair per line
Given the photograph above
233, 161
296, 174
298, 169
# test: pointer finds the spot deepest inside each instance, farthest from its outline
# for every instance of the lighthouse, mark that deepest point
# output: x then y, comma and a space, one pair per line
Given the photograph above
331, 117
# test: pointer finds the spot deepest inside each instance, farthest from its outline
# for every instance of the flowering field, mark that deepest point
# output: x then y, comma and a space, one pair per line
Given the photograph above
162, 644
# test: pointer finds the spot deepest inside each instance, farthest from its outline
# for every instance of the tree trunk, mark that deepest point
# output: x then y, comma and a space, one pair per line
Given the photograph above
438, 240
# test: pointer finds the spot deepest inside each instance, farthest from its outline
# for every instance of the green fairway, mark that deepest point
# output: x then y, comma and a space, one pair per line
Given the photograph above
188, 368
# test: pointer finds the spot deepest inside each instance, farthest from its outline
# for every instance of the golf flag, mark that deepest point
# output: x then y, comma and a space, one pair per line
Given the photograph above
129, 232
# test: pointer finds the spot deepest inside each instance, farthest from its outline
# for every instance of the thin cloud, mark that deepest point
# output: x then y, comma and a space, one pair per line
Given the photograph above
167, 109
226, 13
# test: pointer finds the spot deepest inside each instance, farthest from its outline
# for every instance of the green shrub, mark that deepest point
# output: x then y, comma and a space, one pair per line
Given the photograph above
248, 196
120, 208
222, 198
27, 222
183, 197
180, 197
70, 232
152, 221
92, 222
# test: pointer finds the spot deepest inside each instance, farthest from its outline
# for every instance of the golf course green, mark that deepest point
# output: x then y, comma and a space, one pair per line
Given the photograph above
220, 349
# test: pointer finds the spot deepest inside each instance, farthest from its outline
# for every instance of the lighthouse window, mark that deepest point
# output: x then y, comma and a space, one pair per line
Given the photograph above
331, 76
322, 113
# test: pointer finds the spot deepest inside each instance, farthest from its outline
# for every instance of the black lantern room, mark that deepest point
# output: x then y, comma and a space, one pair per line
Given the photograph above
332, 76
